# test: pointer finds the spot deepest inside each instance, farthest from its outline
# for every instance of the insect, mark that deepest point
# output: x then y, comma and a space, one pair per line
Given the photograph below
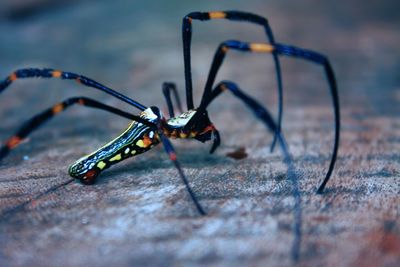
151, 127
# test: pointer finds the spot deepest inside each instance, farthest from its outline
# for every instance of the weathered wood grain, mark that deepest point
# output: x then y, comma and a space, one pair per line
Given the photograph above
138, 213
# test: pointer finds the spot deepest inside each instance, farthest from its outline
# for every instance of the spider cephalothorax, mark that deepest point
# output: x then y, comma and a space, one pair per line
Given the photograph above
193, 124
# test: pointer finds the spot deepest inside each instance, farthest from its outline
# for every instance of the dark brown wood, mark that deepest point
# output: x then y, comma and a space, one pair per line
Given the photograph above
139, 213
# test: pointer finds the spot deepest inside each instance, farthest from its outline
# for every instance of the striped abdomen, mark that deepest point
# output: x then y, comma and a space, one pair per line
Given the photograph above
136, 139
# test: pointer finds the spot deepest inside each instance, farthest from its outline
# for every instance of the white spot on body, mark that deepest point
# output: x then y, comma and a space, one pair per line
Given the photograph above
182, 119
148, 114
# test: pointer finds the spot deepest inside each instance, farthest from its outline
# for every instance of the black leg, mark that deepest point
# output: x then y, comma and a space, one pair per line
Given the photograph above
36, 121
172, 156
216, 141
290, 51
232, 16
265, 116
167, 87
50, 73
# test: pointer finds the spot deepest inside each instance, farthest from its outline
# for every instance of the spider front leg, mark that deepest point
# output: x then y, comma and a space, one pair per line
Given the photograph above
237, 16
172, 156
50, 73
290, 51
169, 149
32, 124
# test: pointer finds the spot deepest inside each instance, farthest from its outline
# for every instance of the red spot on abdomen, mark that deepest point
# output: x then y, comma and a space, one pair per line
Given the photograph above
90, 177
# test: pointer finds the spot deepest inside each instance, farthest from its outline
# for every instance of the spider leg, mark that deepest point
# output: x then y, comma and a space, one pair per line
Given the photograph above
32, 124
216, 141
291, 51
167, 87
172, 156
238, 16
50, 73
265, 116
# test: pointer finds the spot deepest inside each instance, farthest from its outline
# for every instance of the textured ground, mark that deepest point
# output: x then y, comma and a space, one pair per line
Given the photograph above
139, 213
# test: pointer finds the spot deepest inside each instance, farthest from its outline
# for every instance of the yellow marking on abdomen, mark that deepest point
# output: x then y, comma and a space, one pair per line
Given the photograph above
145, 142
116, 158
140, 143
101, 165
217, 15
133, 152
264, 48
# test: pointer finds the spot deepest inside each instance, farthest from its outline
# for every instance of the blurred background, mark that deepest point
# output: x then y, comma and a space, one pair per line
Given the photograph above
122, 40
134, 46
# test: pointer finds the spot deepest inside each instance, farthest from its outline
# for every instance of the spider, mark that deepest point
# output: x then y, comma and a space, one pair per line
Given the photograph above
151, 127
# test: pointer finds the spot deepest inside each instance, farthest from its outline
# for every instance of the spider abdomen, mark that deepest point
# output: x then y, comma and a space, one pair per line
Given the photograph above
136, 139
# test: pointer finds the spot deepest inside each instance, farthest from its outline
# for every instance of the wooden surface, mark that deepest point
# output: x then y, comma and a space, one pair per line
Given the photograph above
138, 213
